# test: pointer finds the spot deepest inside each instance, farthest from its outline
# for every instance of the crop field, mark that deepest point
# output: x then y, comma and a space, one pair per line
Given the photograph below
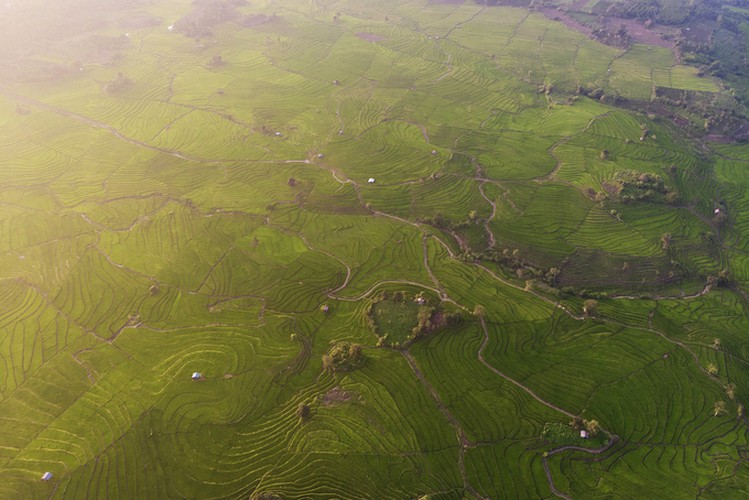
198, 200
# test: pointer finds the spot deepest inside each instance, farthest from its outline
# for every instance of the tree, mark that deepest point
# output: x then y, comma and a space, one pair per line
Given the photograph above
118, 84
731, 390
593, 427
665, 240
590, 307
479, 311
719, 408
216, 62
303, 411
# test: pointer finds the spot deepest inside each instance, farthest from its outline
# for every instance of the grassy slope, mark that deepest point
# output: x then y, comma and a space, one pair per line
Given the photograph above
155, 232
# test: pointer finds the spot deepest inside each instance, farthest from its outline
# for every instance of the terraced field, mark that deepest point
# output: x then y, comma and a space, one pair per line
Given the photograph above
225, 187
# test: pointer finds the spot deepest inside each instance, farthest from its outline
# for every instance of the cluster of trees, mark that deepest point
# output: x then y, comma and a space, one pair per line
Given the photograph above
592, 427
619, 38
523, 269
208, 14
120, 83
431, 319
216, 62
343, 357
629, 186
439, 221
428, 318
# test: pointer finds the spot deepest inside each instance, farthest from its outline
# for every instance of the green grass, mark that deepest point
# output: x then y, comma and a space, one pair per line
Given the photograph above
201, 218
395, 319
565, 435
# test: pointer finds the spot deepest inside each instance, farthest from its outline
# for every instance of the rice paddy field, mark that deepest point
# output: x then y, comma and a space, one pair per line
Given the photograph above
197, 200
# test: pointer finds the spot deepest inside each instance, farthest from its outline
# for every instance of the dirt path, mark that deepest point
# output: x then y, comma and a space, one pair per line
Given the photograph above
437, 284
459, 432
545, 461
511, 380
552, 150
493, 204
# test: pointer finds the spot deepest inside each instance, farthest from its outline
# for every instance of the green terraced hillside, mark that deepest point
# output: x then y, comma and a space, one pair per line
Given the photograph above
238, 189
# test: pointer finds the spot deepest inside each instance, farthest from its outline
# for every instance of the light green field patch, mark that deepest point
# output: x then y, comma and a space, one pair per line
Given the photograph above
274, 245
220, 220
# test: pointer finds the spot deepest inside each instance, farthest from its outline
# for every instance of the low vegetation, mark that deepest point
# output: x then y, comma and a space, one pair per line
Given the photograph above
558, 227
399, 318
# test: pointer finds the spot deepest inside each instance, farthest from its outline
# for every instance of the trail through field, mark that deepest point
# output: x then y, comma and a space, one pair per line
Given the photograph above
511, 380
551, 176
437, 284
492, 238
461, 23
545, 461
463, 441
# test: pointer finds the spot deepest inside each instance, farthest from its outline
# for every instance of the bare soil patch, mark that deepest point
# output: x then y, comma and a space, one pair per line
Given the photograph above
337, 396
370, 37
567, 20
641, 34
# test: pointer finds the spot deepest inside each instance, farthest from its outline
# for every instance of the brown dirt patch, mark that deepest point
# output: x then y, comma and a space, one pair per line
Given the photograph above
370, 37
569, 21
337, 396
254, 20
641, 34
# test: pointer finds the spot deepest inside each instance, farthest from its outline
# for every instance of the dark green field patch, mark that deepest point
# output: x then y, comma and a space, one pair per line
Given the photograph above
395, 320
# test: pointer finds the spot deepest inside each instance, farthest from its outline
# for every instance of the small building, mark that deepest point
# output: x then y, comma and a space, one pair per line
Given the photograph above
320, 156
716, 211
584, 434
325, 308
278, 134
170, 27
434, 151
46, 476
197, 376
371, 180
420, 300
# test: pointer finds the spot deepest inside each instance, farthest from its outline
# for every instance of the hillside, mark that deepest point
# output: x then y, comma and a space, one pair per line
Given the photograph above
355, 249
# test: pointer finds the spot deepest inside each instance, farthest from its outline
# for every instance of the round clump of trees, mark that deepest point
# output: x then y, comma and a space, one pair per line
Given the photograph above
343, 357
